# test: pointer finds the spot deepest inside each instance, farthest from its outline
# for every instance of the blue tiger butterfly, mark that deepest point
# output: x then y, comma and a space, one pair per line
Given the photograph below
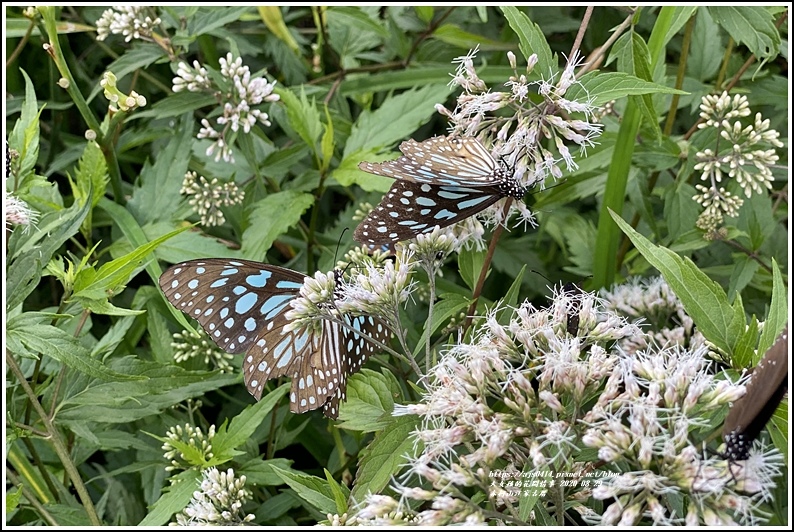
242, 305
438, 182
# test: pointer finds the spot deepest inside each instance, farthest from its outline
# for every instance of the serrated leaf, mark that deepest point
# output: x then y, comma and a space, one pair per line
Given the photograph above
609, 86
12, 498
303, 116
642, 69
447, 306
744, 269
340, 493
208, 19
246, 422
385, 455
703, 299
311, 489
271, 16
753, 26
163, 386
111, 276
531, 39
403, 113
270, 217
173, 500
41, 338
370, 401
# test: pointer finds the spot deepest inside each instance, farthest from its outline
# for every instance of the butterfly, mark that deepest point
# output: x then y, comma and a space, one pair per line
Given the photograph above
438, 182
766, 388
242, 305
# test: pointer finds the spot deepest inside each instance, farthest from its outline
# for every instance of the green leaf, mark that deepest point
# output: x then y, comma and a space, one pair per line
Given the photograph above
29, 333
12, 498
403, 113
608, 86
340, 493
303, 116
446, 307
642, 69
311, 489
270, 217
778, 311
753, 26
111, 276
454, 35
385, 455
91, 178
164, 385
531, 39
744, 269
24, 270
510, 298
261, 472
370, 401
425, 13
778, 429
25, 135
177, 105
208, 19
245, 423
470, 263
271, 16
327, 143
703, 299
130, 229
174, 500
530, 496
742, 356
154, 200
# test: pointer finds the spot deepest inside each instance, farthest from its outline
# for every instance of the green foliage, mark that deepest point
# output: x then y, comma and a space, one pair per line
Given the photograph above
92, 386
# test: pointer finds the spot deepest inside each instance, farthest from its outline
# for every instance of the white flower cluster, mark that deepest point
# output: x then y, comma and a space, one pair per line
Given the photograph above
187, 345
534, 387
740, 151
133, 22
237, 92
654, 305
207, 197
523, 133
218, 501
192, 436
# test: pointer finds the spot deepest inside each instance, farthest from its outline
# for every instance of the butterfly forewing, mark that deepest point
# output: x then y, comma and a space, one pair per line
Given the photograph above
409, 209
232, 299
441, 161
242, 305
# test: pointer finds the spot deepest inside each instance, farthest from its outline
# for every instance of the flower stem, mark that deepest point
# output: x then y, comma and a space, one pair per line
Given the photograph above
486, 265
57, 443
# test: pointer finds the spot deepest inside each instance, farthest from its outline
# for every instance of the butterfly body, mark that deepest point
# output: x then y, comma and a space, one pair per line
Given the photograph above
242, 305
437, 183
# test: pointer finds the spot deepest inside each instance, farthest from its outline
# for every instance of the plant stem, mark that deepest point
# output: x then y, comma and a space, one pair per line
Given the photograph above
431, 279
57, 443
42, 511
486, 265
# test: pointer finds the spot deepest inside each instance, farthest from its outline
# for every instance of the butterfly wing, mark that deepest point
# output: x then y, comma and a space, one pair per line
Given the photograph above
345, 351
410, 209
460, 161
242, 306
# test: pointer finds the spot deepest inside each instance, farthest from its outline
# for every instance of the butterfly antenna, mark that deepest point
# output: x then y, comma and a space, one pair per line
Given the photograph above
339, 243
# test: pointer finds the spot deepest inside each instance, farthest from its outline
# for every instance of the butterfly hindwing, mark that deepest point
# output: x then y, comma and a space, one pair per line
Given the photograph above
409, 209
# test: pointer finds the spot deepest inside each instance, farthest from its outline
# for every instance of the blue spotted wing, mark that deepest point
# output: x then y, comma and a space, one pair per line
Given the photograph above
242, 305
437, 183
